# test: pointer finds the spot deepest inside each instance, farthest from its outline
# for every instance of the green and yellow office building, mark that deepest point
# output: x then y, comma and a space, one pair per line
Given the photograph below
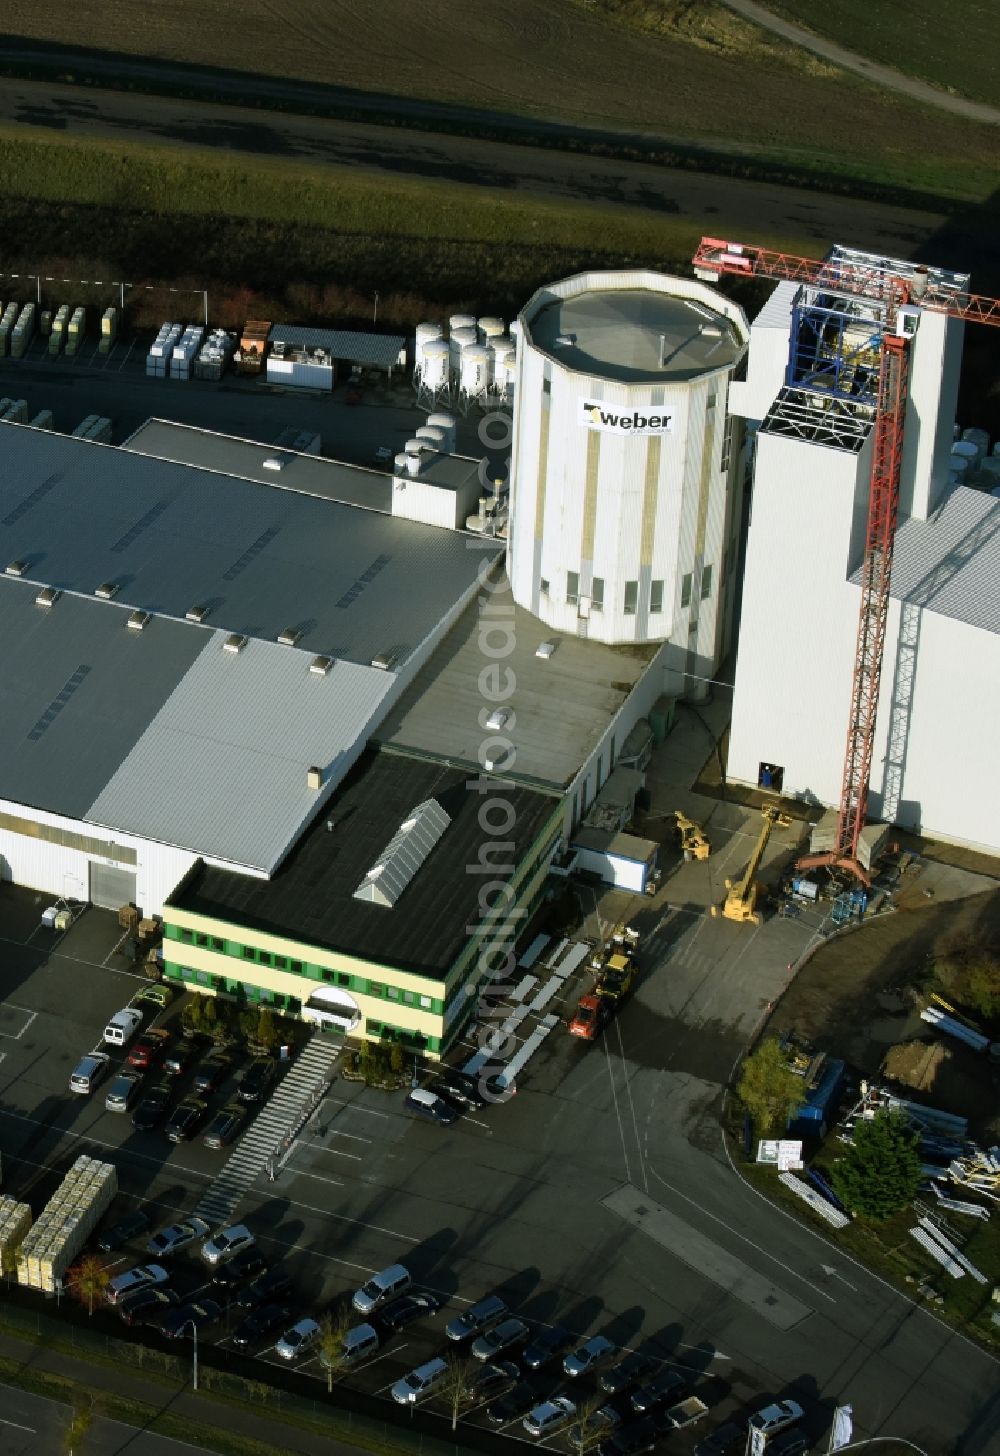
379, 923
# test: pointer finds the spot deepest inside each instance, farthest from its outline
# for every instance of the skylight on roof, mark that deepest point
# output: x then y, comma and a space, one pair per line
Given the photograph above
403, 855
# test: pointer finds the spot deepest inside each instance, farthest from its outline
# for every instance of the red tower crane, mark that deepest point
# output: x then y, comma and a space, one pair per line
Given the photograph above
898, 294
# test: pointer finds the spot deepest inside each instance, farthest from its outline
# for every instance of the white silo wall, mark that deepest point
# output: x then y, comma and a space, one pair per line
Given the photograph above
638, 512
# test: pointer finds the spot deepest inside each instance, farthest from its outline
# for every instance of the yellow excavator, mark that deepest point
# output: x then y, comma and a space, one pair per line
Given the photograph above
694, 842
742, 894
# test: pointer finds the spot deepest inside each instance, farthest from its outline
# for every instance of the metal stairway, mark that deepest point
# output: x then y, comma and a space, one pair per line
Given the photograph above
310, 1074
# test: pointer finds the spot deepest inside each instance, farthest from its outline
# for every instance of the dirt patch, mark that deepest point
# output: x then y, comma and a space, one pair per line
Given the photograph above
858, 997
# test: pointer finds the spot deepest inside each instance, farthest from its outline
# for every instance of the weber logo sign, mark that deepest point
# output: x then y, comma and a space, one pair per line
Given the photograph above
652, 421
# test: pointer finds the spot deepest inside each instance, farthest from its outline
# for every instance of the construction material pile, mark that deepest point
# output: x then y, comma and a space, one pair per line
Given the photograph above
66, 1223
15, 1221
916, 1064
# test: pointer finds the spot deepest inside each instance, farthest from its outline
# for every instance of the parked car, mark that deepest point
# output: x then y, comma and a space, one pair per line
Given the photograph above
402, 1312
145, 1306
495, 1378
789, 1443
504, 1336
771, 1419
158, 997
185, 1120
631, 1439
603, 1421
478, 1316
265, 1289
628, 1372
668, 1385
261, 1321
122, 1091
730, 1437
136, 1278
118, 1235
88, 1071
593, 1353
226, 1125
387, 1284
460, 1087
550, 1416
212, 1071
227, 1243
420, 1382
432, 1106
152, 1105
517, 1402
547, 1346
201, 1313
149, 1048
256, 1080
177, 1236
246, 1265
179, 1058
296, 1341
123, 1026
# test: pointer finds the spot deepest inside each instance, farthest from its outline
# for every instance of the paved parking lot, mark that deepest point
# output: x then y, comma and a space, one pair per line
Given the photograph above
598, 1196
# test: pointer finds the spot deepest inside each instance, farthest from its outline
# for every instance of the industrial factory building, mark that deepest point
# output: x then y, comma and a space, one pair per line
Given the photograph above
252, 690
933, 765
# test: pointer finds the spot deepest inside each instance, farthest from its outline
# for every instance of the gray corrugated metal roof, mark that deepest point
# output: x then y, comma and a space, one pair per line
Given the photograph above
950, 564
77, 692
221, 768
379, 350
356, 582
230, 455
777, 311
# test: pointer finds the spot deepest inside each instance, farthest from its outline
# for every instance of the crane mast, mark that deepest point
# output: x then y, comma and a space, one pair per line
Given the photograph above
896, 294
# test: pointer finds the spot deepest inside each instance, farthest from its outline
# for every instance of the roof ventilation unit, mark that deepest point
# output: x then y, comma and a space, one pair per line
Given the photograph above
47, 597
16, 568
196, 614
386, 660
314, 778
106, 590
137, 621
498, 718
235, 642
289, 636
564, 341
273, 463
544, 650
320, 666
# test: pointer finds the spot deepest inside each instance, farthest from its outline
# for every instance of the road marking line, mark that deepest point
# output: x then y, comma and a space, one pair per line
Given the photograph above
100, 1143
18, 1427
743, 1238
614, 1095
301, 1173
121, 941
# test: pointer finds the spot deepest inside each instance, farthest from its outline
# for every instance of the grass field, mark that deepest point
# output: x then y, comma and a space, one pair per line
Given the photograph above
955, 46
276, 239
693, 75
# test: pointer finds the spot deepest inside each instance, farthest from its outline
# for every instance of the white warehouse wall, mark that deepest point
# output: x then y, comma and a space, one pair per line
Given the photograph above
799, 617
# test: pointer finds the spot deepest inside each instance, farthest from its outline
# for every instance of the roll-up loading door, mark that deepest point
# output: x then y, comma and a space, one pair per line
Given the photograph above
111, 887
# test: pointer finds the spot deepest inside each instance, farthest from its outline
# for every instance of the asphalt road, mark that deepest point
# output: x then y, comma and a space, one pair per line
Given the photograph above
883, 76
32, 1425
738, 207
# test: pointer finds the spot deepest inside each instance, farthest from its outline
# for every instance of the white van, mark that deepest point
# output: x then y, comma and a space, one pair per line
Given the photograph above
122, 1027
420, 1382
381, 1288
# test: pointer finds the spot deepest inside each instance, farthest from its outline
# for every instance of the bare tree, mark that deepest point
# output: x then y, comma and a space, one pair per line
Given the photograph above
458, 1386
332, 1344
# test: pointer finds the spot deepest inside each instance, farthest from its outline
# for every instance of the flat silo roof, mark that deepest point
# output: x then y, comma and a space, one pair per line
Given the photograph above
634, 334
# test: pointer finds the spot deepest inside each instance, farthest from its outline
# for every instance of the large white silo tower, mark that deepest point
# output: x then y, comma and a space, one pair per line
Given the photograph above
625, 491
